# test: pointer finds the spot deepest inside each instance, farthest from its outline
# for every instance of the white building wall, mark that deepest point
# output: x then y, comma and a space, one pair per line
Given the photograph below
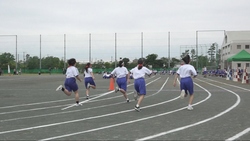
229, 48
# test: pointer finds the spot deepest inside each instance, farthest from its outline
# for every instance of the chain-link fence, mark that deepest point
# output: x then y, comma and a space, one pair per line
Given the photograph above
107, 47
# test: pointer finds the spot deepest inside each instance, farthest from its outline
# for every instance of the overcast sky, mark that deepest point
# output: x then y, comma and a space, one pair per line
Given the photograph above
58, 17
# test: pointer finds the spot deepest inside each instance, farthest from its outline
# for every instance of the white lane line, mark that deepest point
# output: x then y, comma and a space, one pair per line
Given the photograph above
246, 130
31, 104
197, 123
51, 107
88, 100
88, 118
64, 112
128, 122
68, 111
238, 135
230, 85
100, 96
46, 102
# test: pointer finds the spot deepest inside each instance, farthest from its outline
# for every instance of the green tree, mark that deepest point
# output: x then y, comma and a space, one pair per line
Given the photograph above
218, 57
158, 63
211, 52
151, 59
125, 60
193, 55
185, 53
33, 62
107, 65
165, 62
203, 61
50, 62
7, 59
174, 61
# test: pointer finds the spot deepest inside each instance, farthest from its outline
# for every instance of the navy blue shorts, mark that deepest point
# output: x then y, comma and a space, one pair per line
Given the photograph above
187, 85
122, 83
140, 86
89, 80
70, 84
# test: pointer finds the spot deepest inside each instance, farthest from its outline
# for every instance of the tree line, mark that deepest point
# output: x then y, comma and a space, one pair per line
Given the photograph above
33, 62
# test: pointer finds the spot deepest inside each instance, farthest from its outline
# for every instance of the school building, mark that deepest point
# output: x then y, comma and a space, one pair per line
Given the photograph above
235, 50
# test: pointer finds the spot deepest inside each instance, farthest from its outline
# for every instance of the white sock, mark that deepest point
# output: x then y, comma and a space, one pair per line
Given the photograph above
137, 105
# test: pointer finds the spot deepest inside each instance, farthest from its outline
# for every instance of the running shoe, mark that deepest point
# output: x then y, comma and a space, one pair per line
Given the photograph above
88, 85
87, 97
136, 95
189, 107
117, 89
59, 88
78, 104
127, 100
137, 108
182, 94
186, 95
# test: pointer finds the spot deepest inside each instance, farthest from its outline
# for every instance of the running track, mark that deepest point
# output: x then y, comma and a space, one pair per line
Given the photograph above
31, 109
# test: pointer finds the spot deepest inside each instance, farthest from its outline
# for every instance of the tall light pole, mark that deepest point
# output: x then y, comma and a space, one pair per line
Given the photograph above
168, 49
65, 51
115, 49
90, 47
197, 44
142, 45
40, 62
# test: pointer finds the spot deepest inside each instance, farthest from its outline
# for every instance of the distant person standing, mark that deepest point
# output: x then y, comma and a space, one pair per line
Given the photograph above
186, 83
14, 72
204, 71
122, 79
20, 71
70, 82
49, 70
139, 73
64, 71
1, 71
89, 79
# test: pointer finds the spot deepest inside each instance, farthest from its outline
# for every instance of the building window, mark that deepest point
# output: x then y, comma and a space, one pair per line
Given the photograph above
246, 46
238, 65
247, 64
238, 46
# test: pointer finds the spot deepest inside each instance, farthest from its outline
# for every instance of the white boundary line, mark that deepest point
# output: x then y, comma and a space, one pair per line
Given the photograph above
64, 112
230, 85
128, 122
197, 123
31, 104
101, 96
238, 135
88, 118
88, 100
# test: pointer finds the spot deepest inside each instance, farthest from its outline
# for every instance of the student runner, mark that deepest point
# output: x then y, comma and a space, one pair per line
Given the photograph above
186, 83
89, 79
139, 82
122, 80
70, 81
